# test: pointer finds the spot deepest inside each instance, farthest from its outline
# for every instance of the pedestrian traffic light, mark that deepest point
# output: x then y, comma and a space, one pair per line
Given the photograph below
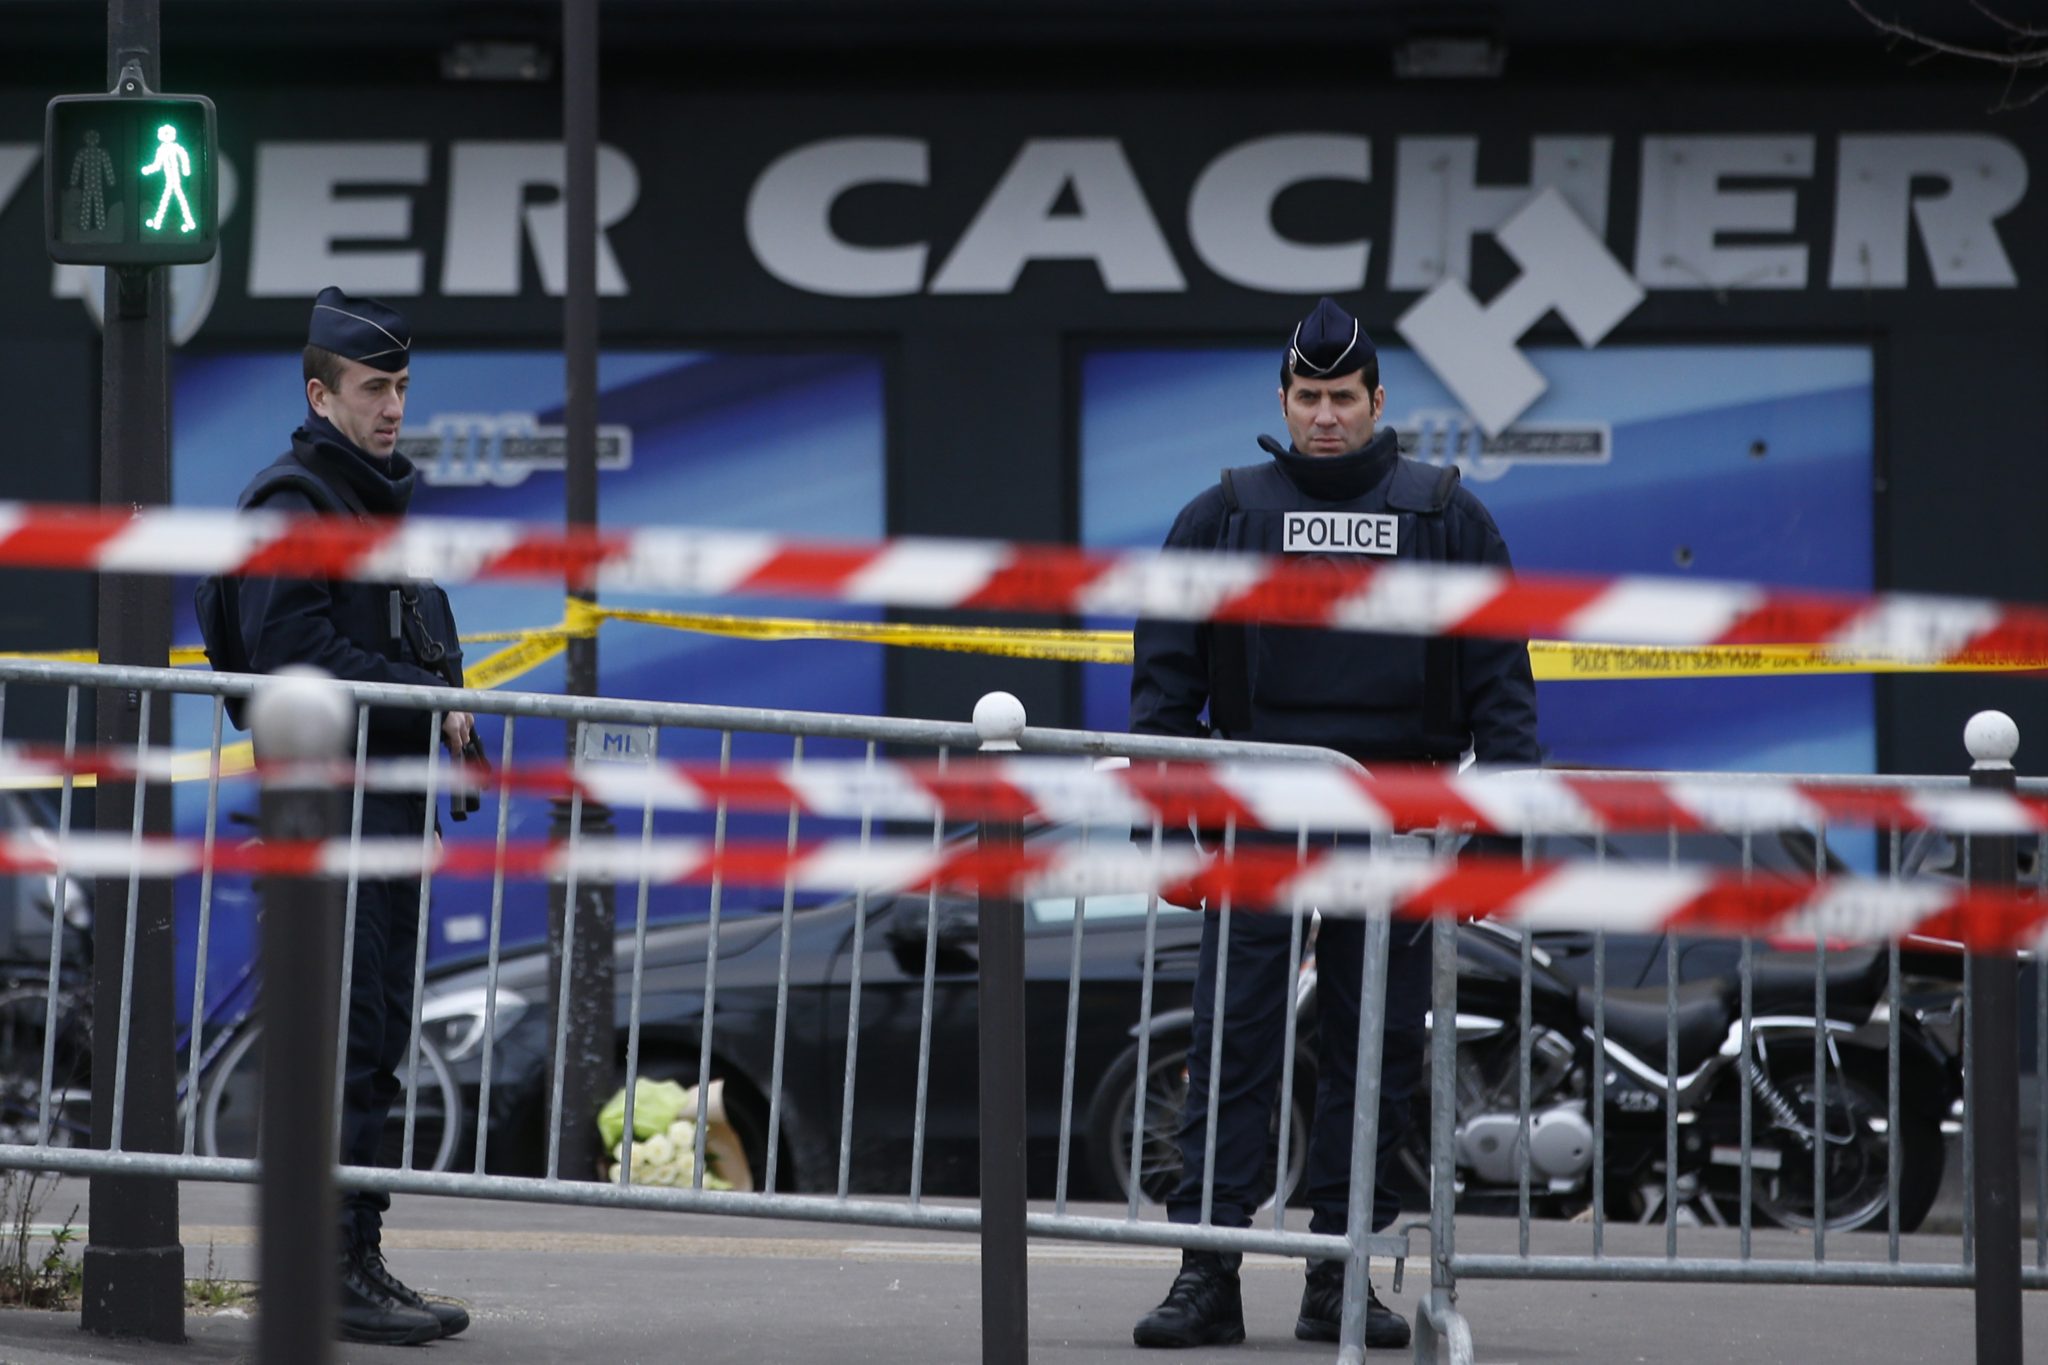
130, 180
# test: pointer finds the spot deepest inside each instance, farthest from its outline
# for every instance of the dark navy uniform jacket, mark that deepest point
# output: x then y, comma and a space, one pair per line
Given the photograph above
366, 632
1385, 698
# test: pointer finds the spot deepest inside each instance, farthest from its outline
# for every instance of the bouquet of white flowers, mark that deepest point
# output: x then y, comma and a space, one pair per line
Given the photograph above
663, 1146
667, 1158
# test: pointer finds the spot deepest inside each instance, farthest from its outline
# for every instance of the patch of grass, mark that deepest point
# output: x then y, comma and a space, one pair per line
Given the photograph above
211, 1293
51, 1279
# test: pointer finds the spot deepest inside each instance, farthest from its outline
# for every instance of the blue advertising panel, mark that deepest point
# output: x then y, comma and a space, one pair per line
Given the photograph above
791, 443
1733, 462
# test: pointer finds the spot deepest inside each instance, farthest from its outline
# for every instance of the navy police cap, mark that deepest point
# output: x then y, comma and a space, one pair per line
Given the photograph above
1328, 342
362, 330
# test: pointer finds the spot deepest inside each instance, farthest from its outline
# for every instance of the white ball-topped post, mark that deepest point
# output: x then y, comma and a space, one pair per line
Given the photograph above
1992, 737
300, 714
999, 720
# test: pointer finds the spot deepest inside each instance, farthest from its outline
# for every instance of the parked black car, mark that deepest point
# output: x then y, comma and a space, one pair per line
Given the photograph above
821, 949
892, 975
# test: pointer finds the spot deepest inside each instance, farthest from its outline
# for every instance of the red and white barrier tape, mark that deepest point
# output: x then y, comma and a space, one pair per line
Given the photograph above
1576, 895
1269, 795
1408, 598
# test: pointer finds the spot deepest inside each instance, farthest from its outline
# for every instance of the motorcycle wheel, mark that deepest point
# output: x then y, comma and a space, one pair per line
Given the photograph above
1166, 1093
1856, 1169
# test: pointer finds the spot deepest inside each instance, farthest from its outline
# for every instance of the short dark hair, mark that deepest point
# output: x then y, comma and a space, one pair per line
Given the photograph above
1370, 371
317, 362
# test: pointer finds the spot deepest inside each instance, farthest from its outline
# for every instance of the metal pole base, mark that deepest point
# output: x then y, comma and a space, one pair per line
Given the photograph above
1439, 1325
136, 1291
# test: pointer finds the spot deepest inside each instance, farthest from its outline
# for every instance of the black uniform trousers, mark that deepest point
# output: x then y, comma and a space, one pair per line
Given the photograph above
1259, 991
379, 1011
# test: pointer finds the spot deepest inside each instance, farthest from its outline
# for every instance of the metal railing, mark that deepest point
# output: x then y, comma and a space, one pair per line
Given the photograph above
1557, 1078
1782, 1097
807, 1168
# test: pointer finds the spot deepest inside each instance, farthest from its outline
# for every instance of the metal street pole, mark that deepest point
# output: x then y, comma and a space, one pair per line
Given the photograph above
1993, 739
587, 1075
299, 719
134, 1264
999, 984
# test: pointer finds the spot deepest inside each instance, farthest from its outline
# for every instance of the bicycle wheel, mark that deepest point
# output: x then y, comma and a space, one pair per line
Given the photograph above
24, 1024
228, 1114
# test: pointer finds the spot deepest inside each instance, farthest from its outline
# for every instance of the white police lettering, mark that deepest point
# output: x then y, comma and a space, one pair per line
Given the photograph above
1342, 533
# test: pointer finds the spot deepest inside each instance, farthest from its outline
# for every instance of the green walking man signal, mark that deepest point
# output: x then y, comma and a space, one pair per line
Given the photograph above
176, 165
130, 180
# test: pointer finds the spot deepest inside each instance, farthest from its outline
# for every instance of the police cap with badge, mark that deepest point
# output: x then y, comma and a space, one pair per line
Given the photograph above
363, 330
1329, 343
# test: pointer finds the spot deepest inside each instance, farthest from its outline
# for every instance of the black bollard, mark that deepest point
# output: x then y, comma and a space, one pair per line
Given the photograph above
299, 718
1005, 1314
1993, 739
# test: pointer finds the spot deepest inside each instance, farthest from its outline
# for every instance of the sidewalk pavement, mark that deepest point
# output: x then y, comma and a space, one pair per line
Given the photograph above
588, 1287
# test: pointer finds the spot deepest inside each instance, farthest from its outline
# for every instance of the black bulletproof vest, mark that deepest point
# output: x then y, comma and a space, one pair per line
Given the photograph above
407, 622
1387, 694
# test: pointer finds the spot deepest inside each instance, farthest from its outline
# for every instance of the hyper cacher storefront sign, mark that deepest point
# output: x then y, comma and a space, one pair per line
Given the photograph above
767, 227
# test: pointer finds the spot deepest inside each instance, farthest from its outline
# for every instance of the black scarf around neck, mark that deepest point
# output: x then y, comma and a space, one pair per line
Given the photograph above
383, 487
1338, 478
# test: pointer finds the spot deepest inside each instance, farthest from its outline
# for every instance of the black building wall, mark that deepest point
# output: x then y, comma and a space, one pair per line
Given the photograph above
1960, 421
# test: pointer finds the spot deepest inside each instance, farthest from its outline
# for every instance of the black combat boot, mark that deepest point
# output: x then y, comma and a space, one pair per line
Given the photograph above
1204, 1307
452, 1317
1322, 1308
370, 1314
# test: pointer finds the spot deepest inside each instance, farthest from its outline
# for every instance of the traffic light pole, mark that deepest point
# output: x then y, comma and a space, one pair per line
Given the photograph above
134, 1264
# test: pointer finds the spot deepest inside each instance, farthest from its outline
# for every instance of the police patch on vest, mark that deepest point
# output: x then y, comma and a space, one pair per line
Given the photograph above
1344, 533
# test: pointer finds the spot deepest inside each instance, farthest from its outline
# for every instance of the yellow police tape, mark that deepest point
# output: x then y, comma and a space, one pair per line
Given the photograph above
1563, 661
1066, 646
1552, 660
529, 650
182, 656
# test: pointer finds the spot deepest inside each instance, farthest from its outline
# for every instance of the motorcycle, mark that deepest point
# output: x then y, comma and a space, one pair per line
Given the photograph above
1851, 1125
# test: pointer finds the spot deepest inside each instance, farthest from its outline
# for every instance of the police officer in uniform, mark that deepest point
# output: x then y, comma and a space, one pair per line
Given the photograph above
1340, 488
344, 461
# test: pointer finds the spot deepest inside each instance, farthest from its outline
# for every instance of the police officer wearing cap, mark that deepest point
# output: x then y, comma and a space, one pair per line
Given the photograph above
1341, 489
344, 461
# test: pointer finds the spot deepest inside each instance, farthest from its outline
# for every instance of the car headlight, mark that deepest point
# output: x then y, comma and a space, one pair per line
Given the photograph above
456, 1021
77, 904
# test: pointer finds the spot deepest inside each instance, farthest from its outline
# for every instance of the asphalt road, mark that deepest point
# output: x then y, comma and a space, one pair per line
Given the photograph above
552, 1284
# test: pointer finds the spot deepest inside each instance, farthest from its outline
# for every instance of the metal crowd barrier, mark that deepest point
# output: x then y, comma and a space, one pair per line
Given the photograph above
1680, 1096
815, 1180
830, 1197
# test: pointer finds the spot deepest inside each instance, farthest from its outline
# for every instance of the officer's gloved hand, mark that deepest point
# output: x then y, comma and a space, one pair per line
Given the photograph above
458, 728
458, 732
